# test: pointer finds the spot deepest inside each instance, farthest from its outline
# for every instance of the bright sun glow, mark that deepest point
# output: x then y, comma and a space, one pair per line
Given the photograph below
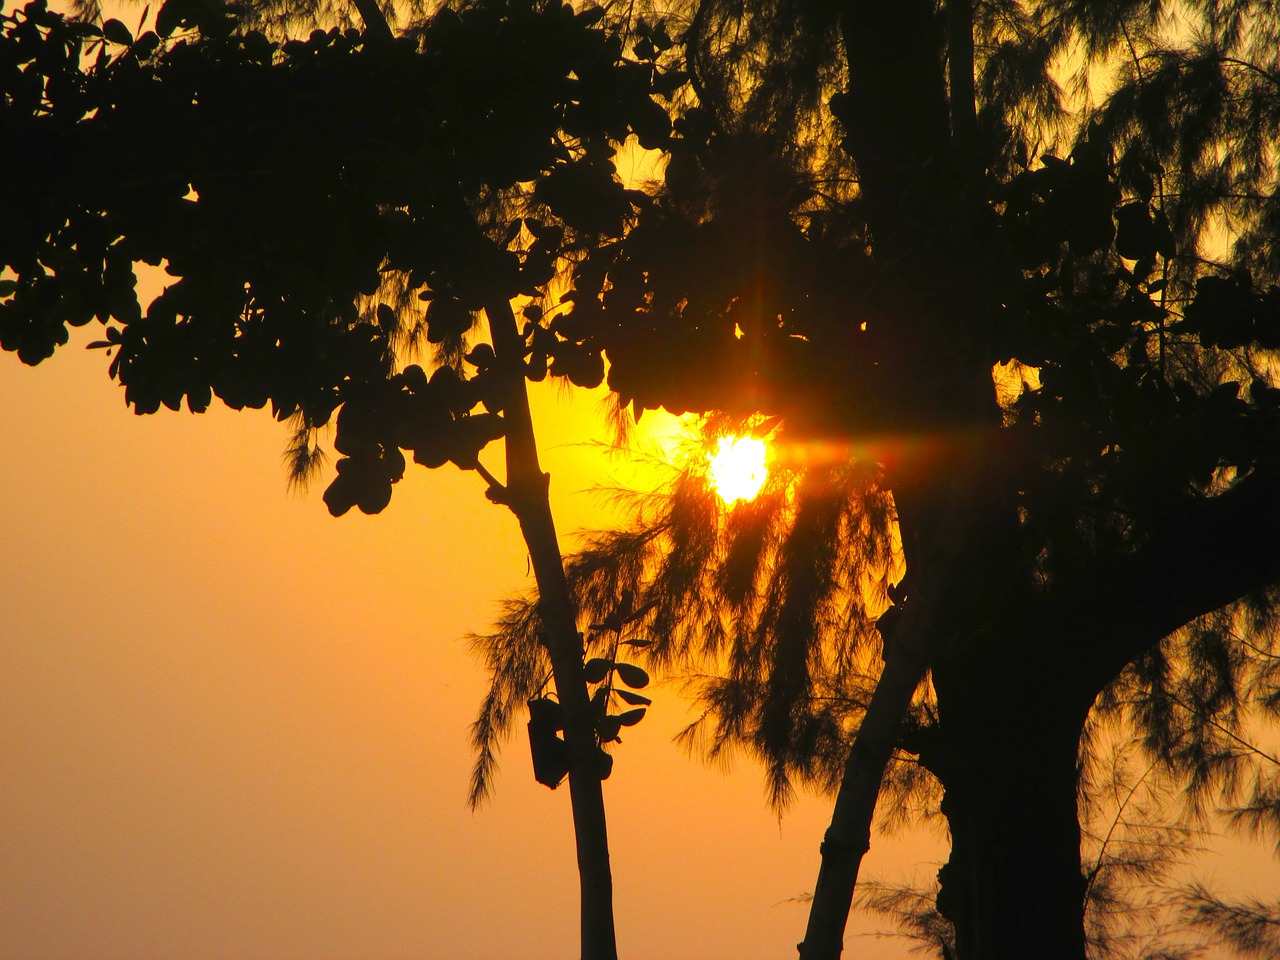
738, 468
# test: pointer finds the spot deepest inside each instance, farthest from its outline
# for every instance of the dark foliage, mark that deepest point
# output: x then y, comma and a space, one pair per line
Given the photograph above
318, 206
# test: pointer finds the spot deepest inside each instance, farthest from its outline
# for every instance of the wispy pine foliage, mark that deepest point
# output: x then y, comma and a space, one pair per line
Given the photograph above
1137, 854
1249, 928
766, 611
914, 913
1202, 706
303, 458
519, 668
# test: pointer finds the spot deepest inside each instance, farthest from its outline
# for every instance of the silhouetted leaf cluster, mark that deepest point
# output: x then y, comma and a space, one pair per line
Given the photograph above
305, 199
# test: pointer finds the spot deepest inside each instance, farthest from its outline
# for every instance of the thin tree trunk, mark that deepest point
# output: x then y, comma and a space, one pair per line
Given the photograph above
935, 531
849, 836
526, 493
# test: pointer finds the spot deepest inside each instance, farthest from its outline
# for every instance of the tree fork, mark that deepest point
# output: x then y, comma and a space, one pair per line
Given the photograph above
916, 642
527, 496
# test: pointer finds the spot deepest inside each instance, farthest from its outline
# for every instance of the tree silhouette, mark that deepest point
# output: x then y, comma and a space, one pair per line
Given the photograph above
305, 200
724, 606
867, 208
854, 234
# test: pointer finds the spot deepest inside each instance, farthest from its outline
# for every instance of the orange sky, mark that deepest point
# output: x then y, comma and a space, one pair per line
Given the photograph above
233, 727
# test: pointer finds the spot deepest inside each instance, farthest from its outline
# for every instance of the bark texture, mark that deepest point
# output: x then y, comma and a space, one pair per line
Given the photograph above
1007, 758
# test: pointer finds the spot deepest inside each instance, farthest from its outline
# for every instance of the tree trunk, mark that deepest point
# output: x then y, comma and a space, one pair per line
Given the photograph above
849, 836
526, 493
1007, 758
935, 528
960, 84
377, 29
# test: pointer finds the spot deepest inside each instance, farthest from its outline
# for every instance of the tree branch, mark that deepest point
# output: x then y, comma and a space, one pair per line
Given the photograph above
963, 99
1199, 559
376, 28
496, 492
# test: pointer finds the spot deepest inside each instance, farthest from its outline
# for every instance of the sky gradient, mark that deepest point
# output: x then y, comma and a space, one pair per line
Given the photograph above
234, 728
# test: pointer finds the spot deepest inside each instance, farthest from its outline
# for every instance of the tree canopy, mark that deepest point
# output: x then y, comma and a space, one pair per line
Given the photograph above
1000, 275
1047, 319
308, 197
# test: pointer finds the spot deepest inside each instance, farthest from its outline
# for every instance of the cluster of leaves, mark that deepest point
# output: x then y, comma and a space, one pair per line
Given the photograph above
1074, 277
430, 417
518, 661
613, 677
551, 754
305, 200
616, 679
717, 299
1146, 389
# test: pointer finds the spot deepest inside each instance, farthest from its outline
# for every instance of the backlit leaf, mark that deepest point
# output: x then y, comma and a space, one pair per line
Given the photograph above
632, 675
596, 669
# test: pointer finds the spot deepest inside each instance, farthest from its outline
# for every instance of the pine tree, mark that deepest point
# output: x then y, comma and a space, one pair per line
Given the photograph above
869, 210
875, 219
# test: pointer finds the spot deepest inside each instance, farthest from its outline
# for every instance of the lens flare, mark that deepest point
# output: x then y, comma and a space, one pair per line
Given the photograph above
738, 468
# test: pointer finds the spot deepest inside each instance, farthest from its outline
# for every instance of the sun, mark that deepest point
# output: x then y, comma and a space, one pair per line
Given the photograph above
738, 468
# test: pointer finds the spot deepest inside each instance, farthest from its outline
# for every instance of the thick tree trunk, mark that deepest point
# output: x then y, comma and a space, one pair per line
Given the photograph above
895, 113
526, 493
1008, 740
1007, 755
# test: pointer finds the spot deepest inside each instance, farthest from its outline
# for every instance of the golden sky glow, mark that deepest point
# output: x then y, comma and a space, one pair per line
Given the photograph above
235, 728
